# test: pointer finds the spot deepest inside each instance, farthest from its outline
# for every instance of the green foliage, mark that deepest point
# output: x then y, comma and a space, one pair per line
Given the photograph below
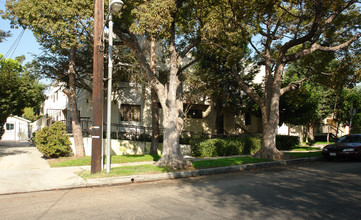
349, 107
29, 114
56, 25
224, 147
4, 35
285, 142
52, 141
301, 106
18, 89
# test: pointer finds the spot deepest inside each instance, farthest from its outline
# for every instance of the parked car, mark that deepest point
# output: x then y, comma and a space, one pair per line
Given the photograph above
348, 146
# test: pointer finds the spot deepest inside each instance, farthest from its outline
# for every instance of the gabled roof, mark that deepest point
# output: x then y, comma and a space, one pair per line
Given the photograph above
20, 118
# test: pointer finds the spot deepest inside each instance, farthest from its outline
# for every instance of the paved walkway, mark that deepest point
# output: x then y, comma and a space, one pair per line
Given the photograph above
23, 169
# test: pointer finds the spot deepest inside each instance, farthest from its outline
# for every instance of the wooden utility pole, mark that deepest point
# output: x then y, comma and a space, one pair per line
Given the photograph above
97, 125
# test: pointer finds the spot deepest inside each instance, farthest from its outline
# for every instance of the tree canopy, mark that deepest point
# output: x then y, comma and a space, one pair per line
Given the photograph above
18, 89
279, 33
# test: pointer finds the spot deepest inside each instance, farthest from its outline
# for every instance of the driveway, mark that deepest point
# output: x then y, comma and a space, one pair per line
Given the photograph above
20, 156
23, 169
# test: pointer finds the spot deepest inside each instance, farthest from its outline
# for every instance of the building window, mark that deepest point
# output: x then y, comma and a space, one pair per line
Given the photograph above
130, 112
9, 126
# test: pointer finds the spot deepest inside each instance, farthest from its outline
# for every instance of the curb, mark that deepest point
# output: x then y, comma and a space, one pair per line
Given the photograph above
119, 180
185, 174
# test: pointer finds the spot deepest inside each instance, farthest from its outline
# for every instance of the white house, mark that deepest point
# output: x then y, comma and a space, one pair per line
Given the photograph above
16, 129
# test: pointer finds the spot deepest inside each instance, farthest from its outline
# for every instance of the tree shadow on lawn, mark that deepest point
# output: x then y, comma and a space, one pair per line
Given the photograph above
155, 157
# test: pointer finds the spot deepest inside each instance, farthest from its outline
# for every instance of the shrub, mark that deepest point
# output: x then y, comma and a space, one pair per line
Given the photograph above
52, 141
224, 146
285, 142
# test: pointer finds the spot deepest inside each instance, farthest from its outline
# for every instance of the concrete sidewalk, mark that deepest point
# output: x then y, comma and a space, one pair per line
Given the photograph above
22, 169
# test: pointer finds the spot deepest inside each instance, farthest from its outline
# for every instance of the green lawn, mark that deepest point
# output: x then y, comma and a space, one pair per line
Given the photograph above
200, 164
224, 162
149, 168
302, 148
83, 161
304, 154
126, 171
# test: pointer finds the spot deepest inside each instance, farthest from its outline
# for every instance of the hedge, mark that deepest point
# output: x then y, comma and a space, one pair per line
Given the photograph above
224, 146
286, 142
52, 141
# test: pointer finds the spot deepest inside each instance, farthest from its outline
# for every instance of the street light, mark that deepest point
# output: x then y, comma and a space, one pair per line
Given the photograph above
114, 7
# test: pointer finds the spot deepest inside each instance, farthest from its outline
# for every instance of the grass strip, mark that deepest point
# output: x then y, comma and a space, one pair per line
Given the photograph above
152, 169
126, 171
84, 161
305, 148
304, 154
224, 162
200, 164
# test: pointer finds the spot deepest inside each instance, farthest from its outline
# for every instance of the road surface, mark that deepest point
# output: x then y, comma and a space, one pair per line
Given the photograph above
317, 190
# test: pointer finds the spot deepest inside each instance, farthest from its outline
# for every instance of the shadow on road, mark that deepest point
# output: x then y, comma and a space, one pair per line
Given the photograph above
326, 191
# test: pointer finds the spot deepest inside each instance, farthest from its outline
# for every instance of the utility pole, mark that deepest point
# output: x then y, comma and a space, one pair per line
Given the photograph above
97, 125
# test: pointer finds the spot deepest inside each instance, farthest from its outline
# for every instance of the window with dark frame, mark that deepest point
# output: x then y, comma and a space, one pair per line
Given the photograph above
130, 112
9, 126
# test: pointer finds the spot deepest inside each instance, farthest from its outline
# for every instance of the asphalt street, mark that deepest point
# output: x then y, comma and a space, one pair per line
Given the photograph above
316, 190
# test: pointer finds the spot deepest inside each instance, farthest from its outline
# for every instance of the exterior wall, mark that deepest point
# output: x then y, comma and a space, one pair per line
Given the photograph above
126, 147
16, 129
55, 104
290, 130
54, 108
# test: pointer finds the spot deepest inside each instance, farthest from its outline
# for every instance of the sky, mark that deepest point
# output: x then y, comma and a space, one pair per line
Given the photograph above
26, 46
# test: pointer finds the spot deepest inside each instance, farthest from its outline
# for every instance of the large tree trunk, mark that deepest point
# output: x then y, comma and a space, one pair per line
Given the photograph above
169, 96
155, 124
310, 135
75, 121
173, 115
268, 149
219, 116
172, 126
270, 116
155, 113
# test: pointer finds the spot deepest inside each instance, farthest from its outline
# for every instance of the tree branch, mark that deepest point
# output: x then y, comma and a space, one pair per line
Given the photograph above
249, 91
317, 47
181, 69
292, 86
316, 29
132, 42
189, 47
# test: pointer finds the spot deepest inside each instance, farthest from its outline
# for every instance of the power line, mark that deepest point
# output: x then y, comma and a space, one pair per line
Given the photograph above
13, 47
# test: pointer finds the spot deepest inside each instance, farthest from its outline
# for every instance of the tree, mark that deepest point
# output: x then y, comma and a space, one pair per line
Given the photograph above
173, 22
279, 33
348, 108
4, 35
212, 78
18, 89
62, 27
